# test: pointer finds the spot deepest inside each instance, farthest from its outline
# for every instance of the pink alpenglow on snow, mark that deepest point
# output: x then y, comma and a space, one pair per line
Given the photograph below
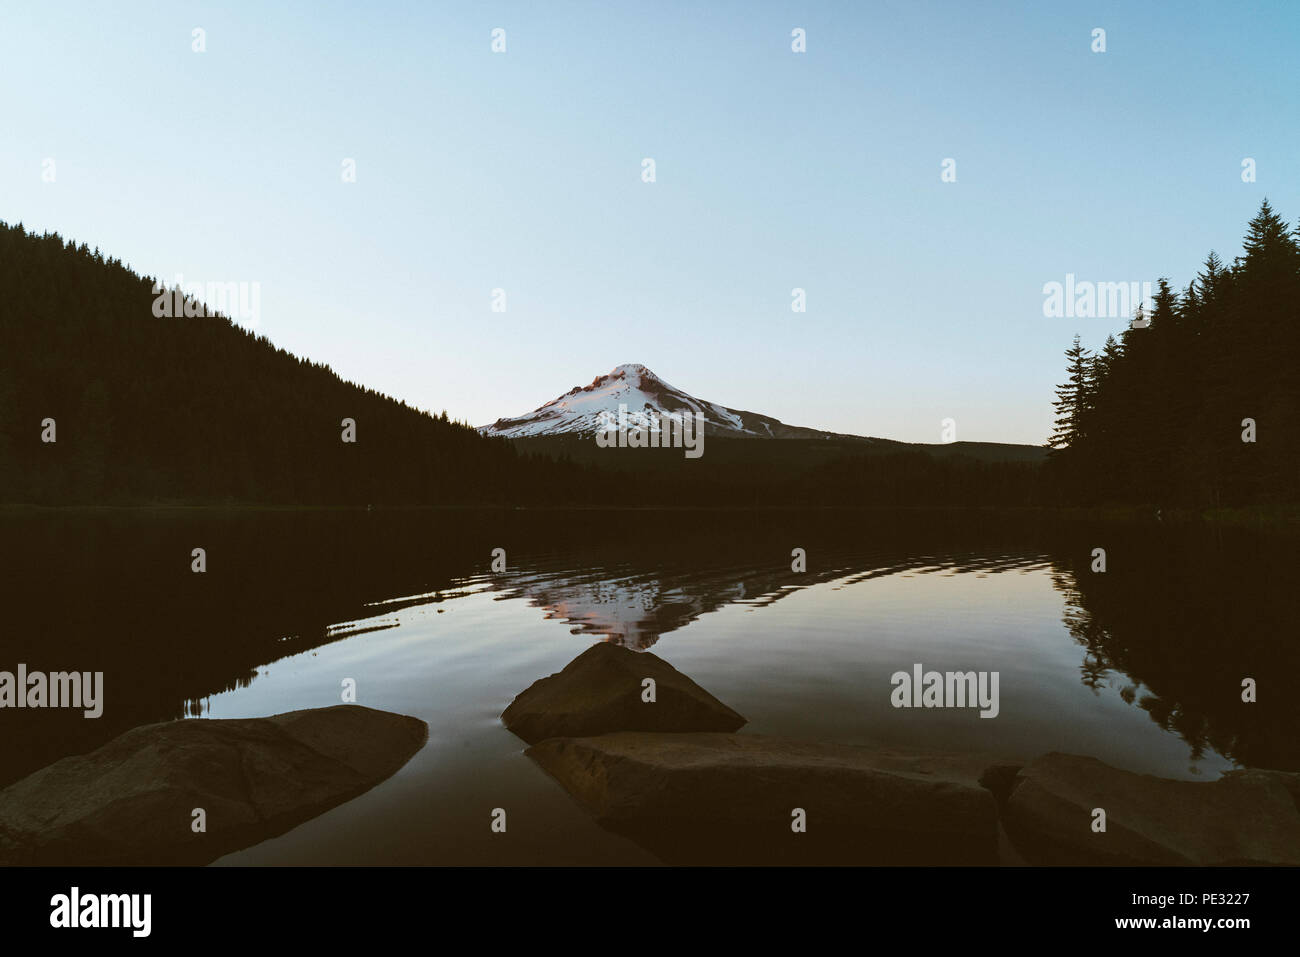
632, 393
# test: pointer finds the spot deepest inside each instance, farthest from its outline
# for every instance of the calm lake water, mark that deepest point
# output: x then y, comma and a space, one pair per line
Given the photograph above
1140, 666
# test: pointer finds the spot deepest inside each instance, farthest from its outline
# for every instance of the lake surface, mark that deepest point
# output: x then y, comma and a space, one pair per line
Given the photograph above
1140, 666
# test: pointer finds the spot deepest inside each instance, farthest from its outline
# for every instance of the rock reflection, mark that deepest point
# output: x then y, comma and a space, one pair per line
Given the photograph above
1174, 626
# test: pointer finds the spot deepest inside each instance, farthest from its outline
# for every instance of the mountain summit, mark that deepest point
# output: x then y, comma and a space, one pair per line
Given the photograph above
580, 410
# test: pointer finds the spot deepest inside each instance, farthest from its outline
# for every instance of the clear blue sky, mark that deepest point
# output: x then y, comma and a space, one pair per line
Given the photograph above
775, 170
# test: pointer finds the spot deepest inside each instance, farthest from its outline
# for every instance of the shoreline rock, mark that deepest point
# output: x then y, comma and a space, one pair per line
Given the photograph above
710, 798
600, 691
131, 800
1246, 817
674, 778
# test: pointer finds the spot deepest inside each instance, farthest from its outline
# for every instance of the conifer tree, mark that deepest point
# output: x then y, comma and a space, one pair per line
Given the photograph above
1073, 398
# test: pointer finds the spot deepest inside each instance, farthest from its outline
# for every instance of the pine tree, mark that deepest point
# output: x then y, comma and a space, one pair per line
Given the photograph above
1073, 398
1104, 361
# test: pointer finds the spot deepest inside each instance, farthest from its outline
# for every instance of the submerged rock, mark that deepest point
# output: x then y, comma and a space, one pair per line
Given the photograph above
132, 801
601, 691
733, 799
1245, 817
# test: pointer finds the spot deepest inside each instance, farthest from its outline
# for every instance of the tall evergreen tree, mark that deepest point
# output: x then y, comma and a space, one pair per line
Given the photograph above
1073, 398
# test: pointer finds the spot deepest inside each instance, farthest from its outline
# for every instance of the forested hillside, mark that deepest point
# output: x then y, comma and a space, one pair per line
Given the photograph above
197, 410
1201, 406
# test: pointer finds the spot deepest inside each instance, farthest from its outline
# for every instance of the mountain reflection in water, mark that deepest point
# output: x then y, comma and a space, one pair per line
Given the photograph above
1180, 618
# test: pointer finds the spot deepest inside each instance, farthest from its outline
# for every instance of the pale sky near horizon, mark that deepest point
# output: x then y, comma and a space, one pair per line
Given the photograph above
522, 170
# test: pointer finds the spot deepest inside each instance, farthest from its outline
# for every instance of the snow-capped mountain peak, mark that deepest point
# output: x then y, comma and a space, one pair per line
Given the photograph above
586, 409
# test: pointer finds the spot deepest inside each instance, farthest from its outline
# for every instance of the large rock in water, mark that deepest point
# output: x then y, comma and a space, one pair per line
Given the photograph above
1245, 817
731, 799
131, 801
600, 691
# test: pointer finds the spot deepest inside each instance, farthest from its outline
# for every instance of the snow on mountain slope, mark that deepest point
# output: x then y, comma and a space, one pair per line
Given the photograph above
582, 409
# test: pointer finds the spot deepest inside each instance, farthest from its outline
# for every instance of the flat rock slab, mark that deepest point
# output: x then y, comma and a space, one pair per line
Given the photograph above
601, 691
131, 801
1245, 817
710, 798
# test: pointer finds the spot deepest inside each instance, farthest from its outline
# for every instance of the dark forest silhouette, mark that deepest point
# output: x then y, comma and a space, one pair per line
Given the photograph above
1158, 415
198, 410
